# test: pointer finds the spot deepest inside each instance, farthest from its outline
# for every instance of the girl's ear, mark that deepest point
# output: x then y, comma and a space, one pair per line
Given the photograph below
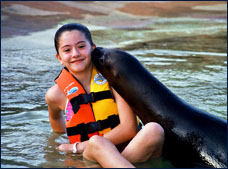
59, 58
94, 46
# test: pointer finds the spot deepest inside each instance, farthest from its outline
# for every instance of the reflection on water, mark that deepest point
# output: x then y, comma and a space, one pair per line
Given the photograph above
187, 55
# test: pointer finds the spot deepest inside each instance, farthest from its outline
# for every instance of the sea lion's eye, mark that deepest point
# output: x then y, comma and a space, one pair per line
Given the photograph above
101, 60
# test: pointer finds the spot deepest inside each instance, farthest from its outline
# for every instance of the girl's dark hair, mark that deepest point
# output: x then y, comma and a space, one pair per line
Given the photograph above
71, 27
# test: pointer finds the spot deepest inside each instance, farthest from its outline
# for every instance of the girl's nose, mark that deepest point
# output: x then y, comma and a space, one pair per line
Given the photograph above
75, 52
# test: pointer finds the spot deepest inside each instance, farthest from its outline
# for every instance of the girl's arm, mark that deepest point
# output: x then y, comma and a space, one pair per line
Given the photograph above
127, 128
55, 100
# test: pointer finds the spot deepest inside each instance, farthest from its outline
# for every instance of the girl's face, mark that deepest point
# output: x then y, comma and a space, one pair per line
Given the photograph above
74, 51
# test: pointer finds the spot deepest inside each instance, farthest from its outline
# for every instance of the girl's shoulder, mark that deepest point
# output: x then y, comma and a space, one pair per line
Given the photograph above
55, 96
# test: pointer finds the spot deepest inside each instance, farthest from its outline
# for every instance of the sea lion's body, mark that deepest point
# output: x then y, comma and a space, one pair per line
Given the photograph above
193, 138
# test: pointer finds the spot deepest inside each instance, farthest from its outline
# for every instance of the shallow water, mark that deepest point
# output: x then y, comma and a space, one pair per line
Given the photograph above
189, 56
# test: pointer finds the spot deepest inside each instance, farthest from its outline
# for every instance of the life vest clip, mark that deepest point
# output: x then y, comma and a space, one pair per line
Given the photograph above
91, 127
87, 98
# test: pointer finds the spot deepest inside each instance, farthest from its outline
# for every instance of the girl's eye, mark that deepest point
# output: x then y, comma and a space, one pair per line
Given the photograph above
82, 46
67, 50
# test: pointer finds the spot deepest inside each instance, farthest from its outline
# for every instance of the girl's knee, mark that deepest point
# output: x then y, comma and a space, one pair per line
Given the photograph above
96, 142
93, 147
154, 133
154, 138
99, 142
154, 129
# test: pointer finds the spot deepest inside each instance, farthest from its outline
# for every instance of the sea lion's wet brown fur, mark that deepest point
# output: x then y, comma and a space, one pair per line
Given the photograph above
193, 138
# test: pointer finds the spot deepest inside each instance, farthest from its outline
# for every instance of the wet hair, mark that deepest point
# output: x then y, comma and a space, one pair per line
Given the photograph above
70, 27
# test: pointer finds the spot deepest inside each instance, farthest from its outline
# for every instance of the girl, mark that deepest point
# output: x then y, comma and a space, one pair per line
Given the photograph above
98, 118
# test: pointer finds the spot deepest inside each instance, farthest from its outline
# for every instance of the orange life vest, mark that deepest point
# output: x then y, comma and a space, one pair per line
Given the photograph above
94, 113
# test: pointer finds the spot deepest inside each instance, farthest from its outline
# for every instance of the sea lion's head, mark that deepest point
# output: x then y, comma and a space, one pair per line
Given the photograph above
114, 64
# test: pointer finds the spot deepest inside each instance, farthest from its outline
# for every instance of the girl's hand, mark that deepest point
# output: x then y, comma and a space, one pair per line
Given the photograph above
68, 148
82, 146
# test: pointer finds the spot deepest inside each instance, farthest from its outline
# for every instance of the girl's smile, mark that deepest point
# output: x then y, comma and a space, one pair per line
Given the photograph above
77, 61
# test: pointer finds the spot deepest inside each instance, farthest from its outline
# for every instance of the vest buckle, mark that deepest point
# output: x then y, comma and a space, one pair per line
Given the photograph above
93, 127
88, 98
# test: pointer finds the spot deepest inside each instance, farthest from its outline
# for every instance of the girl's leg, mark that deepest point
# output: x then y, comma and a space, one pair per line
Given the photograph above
105, 153
147, 143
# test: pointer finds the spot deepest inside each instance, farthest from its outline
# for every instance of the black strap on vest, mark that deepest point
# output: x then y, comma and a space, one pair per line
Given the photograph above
91, 127
89, 98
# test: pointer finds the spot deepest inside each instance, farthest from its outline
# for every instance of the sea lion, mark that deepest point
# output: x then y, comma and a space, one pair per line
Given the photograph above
193, 138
